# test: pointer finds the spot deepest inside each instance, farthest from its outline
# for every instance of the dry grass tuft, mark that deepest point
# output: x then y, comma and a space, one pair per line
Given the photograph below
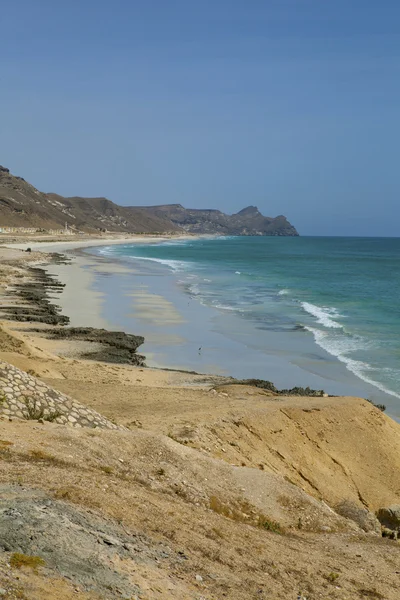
19, 560
107, 469
6, 444
243, 512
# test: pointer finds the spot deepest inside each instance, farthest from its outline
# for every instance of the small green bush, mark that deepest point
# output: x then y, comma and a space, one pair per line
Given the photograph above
381, 407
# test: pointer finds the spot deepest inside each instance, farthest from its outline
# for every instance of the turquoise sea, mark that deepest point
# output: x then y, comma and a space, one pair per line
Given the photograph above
339, 296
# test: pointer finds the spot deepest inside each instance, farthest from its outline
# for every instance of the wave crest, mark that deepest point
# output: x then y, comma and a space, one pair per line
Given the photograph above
325, 315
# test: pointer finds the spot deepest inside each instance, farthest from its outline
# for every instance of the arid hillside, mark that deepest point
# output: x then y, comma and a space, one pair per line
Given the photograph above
22, 205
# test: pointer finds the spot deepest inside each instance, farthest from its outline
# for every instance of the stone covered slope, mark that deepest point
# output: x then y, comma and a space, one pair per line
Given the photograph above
26, 397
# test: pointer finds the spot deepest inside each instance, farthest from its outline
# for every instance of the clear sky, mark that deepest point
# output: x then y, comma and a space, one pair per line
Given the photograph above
291, 105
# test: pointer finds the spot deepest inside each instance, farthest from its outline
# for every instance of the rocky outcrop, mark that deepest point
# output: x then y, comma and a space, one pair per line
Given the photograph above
33, 298
109, 346
26, 397
31, 520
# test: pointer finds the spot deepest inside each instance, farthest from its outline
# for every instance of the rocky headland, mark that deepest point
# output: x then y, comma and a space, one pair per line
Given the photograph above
23, 206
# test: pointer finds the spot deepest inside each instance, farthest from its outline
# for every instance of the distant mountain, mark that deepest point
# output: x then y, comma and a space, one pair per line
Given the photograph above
22, 205
248, 221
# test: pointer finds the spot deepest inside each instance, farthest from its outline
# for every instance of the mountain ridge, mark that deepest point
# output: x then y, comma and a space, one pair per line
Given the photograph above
24, 206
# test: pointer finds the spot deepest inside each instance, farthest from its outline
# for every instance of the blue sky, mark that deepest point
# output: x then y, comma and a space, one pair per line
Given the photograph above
292, 105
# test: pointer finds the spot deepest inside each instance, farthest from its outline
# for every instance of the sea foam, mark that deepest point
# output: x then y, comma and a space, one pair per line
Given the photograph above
325, 315
175, 265
340, 346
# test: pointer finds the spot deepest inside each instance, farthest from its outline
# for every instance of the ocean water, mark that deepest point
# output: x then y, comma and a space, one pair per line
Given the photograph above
341, 293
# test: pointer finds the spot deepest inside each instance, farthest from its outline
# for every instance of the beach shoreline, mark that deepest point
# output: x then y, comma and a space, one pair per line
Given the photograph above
180, 334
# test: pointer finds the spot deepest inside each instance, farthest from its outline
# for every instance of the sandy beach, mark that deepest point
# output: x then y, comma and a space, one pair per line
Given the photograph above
143, 298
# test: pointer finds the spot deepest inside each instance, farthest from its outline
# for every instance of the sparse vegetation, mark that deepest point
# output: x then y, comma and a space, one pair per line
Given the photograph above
5, 444
273, 526
34, 411
19, 560
41, 455
371, 594
244, 512
32, 372
53, 416
332, 577
63, 494
44, 457
381, 407
106, 469
264, 384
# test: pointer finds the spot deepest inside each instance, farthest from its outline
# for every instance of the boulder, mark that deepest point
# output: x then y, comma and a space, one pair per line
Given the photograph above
390, 516
363, 517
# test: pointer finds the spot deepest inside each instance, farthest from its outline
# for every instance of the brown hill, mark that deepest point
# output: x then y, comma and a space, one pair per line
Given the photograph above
101, 213
22, 205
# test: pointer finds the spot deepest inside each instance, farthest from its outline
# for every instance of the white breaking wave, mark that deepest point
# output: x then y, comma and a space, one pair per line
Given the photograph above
340, 347
237, 273
224, 307
105, 250
283, 292
324, 315
175, 265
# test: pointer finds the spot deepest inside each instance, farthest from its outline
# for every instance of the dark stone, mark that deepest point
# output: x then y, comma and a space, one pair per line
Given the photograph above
116, 346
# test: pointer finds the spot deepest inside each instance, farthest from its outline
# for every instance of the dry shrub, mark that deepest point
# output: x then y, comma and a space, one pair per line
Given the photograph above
243, 512
19, 560
106, 469
5, 444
